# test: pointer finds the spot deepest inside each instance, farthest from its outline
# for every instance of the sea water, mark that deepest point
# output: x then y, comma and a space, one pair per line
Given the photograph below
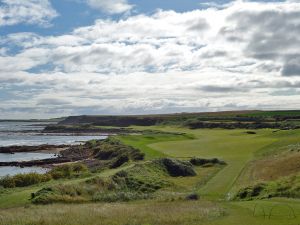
29, 133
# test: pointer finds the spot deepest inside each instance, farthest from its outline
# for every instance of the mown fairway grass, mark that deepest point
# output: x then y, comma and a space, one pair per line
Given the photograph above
236, 147
143, 142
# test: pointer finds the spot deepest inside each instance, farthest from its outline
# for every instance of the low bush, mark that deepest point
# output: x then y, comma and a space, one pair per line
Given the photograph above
177, 168
69, 171
205, 162
251, 192
193, 196
119, 161
64, 171
23, 180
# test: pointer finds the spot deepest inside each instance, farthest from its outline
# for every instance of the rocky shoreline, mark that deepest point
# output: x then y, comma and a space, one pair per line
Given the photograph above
95, 154
65, 153
42, 163
39, 148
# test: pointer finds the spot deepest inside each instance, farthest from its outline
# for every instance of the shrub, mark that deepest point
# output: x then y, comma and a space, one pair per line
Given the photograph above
251, 192
69, 171
177, 168
119, 161
23, 180
7, 182
64, 171
80, 168
204, 162
193, 196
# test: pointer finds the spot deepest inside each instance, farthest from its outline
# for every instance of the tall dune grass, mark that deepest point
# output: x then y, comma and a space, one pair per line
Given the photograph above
137, 213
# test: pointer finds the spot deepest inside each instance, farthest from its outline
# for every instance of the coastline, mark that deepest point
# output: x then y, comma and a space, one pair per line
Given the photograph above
45, 148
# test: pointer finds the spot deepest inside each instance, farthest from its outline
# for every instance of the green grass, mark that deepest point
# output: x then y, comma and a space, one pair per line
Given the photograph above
137, 213
235, 147
152, 212
143, 142
17, 197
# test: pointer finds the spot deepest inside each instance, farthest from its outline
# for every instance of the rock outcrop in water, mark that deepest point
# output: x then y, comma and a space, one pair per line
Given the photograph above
24, 148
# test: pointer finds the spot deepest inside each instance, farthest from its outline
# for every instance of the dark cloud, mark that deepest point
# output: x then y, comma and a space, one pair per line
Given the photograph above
291, 69
215, 88
52, 101
212, 54
269, 34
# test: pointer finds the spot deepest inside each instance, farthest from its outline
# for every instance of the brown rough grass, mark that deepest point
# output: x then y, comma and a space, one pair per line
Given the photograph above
274, 167
136, 213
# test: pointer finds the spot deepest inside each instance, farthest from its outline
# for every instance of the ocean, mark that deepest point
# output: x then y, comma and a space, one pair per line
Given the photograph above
29, 133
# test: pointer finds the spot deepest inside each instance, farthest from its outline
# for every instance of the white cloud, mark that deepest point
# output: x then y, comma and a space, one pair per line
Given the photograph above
111, 6
241, 56
14, 12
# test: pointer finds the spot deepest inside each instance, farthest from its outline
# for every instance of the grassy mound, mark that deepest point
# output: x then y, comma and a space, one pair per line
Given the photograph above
111, 148
287, 187
103, 154
111, 153
60, 193
137, 182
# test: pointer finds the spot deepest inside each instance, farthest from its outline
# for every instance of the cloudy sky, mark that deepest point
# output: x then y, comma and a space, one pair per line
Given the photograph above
73, 57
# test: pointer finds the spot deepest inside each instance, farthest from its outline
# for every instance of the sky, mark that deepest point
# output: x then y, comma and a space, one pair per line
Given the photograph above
75, 57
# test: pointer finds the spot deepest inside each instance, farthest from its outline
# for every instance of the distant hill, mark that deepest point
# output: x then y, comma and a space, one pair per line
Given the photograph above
225, 119
34, 120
